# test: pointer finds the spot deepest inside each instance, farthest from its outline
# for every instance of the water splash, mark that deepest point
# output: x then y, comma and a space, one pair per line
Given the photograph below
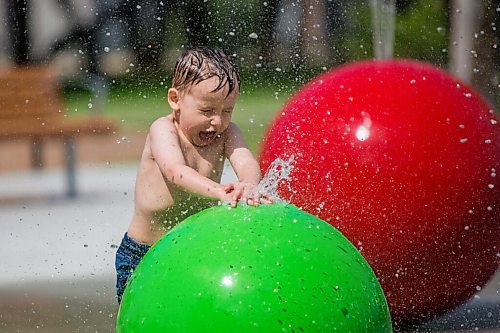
278, 171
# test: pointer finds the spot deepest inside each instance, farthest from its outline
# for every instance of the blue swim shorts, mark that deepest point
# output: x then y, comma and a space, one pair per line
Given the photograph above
128, 256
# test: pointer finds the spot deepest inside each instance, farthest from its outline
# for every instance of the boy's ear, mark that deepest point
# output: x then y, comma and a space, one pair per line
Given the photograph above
173, 97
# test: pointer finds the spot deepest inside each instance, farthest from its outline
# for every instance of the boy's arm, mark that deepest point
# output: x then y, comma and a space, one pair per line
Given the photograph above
244, 164
246, 168
168, 155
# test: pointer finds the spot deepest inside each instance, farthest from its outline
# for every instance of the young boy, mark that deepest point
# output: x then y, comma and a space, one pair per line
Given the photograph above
181, 165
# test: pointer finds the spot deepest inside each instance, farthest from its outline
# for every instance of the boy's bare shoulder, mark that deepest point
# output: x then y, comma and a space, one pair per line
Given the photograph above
163, 121
232, 130
163, 124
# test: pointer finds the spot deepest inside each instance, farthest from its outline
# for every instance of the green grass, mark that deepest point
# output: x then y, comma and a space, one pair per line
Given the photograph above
136, 105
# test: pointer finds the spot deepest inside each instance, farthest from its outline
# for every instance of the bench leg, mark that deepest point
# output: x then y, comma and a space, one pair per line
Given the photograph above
36, 153
69, 146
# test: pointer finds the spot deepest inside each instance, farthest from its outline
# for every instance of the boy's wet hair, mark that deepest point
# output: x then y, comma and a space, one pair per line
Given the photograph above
201, 63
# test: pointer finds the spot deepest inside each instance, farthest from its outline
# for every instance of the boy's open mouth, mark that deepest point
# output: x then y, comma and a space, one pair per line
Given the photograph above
208, 136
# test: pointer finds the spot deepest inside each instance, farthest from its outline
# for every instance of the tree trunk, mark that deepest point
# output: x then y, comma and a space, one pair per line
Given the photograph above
474, 45
314, 33
17, 14
487, 76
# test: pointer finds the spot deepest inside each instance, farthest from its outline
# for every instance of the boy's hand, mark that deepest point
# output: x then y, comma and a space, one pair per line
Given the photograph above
249, 193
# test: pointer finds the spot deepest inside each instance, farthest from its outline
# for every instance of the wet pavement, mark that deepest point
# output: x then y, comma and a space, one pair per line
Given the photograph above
57, 273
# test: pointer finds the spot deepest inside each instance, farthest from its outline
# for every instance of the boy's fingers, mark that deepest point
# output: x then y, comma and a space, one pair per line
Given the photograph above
237, 195
267, 196
251, 202
256, 199
266, 201
229, 187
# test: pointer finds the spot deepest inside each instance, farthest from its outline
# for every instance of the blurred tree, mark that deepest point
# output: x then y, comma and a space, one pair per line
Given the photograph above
146, 29
486, 72
269, 15
402, 5
136, 24
464, 24
313, 36
19, 36
196, 20
337, 14
320, 30
475, 45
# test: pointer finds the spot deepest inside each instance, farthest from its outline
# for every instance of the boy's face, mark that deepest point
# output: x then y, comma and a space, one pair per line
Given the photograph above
201, 113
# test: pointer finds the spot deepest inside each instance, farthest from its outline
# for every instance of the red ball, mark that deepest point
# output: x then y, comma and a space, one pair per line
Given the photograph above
402, 158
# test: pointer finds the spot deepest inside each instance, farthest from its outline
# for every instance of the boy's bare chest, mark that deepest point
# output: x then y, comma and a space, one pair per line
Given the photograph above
207, 161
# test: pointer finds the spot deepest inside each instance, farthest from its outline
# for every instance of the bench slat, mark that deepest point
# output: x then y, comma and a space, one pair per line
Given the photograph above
34, 106
57, 126
29, 90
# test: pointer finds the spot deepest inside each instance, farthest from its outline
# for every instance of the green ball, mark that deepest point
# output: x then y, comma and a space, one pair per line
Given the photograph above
271, 268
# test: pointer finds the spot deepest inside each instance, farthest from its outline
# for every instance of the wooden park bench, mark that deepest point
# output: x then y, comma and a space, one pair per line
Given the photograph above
31, 107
